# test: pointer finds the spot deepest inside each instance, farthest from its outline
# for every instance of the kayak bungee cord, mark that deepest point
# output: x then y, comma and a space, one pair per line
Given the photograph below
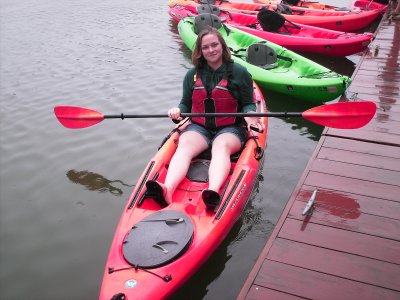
321, 75
166, 278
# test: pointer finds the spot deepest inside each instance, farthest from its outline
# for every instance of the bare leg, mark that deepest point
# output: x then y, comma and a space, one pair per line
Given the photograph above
223, 147
191, 144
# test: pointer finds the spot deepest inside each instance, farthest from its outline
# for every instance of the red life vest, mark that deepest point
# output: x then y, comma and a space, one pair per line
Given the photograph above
219, 100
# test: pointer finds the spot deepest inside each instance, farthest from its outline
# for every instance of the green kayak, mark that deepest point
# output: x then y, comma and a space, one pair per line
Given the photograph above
273, 67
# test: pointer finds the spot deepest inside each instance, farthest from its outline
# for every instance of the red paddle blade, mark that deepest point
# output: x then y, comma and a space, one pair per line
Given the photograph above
77, 117
345, 115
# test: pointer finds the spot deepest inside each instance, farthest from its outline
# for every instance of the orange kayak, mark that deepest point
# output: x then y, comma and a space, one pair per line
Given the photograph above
156, 249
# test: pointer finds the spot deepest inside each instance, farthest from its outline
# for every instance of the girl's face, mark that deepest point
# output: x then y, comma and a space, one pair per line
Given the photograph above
211, 49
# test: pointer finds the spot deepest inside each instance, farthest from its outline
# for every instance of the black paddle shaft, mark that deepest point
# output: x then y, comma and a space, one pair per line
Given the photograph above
184, 115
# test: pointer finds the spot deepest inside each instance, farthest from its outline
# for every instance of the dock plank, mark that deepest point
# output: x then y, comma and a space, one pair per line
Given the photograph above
349, 219
347, 201
259, 292
354, 170
355, 186
344, 265
349, 241
361, 147
316, 285
368, 160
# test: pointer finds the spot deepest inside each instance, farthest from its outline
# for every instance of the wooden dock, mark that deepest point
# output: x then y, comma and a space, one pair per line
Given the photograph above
349, 247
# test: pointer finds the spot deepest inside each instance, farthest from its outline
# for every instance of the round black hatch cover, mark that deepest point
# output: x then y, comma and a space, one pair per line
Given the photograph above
158, 239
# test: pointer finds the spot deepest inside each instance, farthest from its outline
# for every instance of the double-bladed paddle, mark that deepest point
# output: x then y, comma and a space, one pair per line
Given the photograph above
345, 115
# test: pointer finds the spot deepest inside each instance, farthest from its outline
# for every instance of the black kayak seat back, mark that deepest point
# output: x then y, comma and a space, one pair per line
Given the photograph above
262, 55
208, 9
284, 9
291, 2
270, 20
207, 2
203, 21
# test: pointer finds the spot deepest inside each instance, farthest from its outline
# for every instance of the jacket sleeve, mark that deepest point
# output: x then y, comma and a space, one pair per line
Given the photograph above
188, 82
246, 95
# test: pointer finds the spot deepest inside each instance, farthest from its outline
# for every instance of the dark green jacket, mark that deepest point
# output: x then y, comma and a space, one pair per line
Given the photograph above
240, 86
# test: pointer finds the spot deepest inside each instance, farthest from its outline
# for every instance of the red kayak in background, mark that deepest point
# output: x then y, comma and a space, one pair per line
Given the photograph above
354, 5
347, 21
367, 5
294, 36
156, 249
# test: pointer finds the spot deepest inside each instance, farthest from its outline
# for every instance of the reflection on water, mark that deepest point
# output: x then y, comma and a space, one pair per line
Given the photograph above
341, 65
196, 286
186, 52
96, 182
279, 103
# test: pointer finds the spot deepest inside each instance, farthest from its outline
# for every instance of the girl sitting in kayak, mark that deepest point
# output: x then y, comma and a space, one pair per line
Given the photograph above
214, 84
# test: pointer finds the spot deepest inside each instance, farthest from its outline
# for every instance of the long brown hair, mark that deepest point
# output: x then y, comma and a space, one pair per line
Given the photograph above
197, 56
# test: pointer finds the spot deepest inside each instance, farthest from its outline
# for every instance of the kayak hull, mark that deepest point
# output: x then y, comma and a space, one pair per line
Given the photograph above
210, 228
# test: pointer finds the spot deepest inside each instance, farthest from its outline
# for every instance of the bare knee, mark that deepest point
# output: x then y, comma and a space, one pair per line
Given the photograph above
226, 144
191, 144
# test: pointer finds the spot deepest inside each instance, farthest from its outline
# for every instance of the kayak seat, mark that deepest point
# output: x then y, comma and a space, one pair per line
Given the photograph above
202, 21
262, 56
198, 169
208, 9
270, 20
206, 154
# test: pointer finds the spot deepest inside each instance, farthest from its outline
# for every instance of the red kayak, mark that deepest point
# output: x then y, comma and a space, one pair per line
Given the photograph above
354, 5
156, 249
367, 5
336, 20
294, 36
347, 21
246, 7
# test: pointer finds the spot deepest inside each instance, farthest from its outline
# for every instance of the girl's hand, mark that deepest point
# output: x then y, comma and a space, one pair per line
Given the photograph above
175, 113
254, 122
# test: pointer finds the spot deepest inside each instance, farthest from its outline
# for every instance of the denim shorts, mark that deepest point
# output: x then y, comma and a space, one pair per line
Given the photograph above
210, 135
